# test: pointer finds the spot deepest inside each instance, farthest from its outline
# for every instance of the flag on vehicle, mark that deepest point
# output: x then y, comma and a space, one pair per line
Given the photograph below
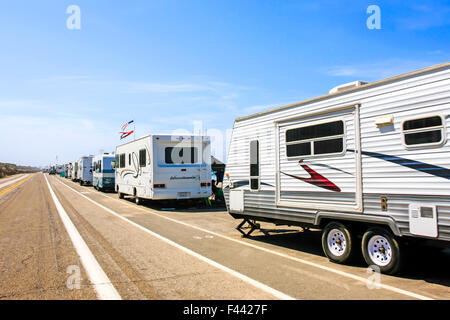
123, 133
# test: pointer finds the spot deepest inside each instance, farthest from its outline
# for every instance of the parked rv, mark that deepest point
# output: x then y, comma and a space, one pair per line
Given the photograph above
74, 175
104, 175
164, 167
69, 170
368, 160
84, 175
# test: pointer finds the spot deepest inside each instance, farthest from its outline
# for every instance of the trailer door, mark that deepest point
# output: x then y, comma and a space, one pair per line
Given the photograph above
318, 161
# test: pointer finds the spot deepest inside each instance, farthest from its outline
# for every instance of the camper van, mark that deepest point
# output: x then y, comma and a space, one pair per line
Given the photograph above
368, 164
103, 177
161, 167
74, 174
84, 173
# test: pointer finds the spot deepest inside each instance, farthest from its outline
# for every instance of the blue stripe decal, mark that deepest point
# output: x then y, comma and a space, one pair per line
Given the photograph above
412, 164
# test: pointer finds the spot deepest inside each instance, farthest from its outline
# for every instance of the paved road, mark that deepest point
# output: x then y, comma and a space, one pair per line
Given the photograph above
149, 253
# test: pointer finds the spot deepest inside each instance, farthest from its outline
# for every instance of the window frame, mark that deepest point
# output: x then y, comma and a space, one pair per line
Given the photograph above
145, 158
442, 127
311, 141
258, 177
122, 165
195, 153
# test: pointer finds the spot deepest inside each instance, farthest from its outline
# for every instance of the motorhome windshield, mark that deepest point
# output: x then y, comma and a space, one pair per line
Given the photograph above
107, 163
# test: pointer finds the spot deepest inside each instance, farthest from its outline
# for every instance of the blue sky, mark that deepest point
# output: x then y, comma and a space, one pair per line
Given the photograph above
166, 64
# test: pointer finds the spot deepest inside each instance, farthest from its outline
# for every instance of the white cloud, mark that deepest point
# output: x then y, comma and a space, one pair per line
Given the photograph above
377, 70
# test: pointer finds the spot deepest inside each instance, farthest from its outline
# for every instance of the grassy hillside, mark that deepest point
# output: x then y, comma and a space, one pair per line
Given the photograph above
7, 169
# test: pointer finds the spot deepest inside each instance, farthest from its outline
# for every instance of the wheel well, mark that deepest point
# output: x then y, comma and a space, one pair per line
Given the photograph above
358, 227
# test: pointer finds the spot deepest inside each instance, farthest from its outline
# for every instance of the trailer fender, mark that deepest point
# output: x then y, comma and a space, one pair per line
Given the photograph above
371, 219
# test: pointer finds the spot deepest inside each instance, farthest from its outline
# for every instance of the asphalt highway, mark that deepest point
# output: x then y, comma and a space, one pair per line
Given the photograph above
60, 240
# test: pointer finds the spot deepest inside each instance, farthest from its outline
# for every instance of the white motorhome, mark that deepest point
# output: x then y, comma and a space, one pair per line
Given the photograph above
74, 173
104, 175
69, 170
370, 160
84, 173
164, 167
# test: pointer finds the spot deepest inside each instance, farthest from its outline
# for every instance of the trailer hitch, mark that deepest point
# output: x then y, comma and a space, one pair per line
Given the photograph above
251, 224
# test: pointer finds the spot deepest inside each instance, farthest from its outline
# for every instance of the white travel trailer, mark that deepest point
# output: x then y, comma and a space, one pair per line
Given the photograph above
164, 167
74, 173
104, 175
84, 173
69, 170
372, 160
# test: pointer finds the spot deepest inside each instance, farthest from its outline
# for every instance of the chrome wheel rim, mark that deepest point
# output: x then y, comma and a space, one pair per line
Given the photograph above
336, 242
380, 251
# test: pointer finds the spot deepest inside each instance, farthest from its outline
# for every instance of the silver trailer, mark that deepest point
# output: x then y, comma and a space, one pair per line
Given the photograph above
85, 172
74, 173
368, 159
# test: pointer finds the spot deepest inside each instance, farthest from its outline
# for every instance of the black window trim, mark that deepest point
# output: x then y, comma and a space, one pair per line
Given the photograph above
311, 141
122, 164
258, 177
143, 165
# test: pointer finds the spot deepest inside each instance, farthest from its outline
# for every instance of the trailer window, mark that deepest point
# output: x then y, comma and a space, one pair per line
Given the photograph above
254, 165
181, 155
320, 139
427, 131
142, 158
99, 165
129, 159
122, 161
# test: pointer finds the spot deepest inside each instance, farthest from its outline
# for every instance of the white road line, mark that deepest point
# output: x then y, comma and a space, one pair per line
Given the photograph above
316, 265
234, 273
10, 182
102, 285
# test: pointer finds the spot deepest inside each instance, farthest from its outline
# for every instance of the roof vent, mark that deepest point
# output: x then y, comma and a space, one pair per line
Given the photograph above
347, 86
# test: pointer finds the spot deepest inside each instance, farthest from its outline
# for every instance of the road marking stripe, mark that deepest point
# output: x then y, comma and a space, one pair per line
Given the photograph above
15, 185
6, 180
102, 285
339, 272
217, 265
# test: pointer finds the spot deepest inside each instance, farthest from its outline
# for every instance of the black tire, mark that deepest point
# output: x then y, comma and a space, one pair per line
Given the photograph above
121, 196
396, 252
138, 200
348, 253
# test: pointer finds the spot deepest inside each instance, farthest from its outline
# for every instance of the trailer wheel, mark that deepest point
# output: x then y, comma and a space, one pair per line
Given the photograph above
138, 201
381, 248
338, 243
121, 196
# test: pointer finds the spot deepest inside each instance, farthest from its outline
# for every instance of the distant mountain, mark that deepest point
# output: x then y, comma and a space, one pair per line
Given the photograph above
7, 169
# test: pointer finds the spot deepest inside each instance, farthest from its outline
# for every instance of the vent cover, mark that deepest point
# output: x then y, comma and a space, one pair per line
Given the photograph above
347, 86
423, 220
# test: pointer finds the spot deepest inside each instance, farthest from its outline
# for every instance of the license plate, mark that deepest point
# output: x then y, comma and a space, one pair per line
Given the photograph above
183, 195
